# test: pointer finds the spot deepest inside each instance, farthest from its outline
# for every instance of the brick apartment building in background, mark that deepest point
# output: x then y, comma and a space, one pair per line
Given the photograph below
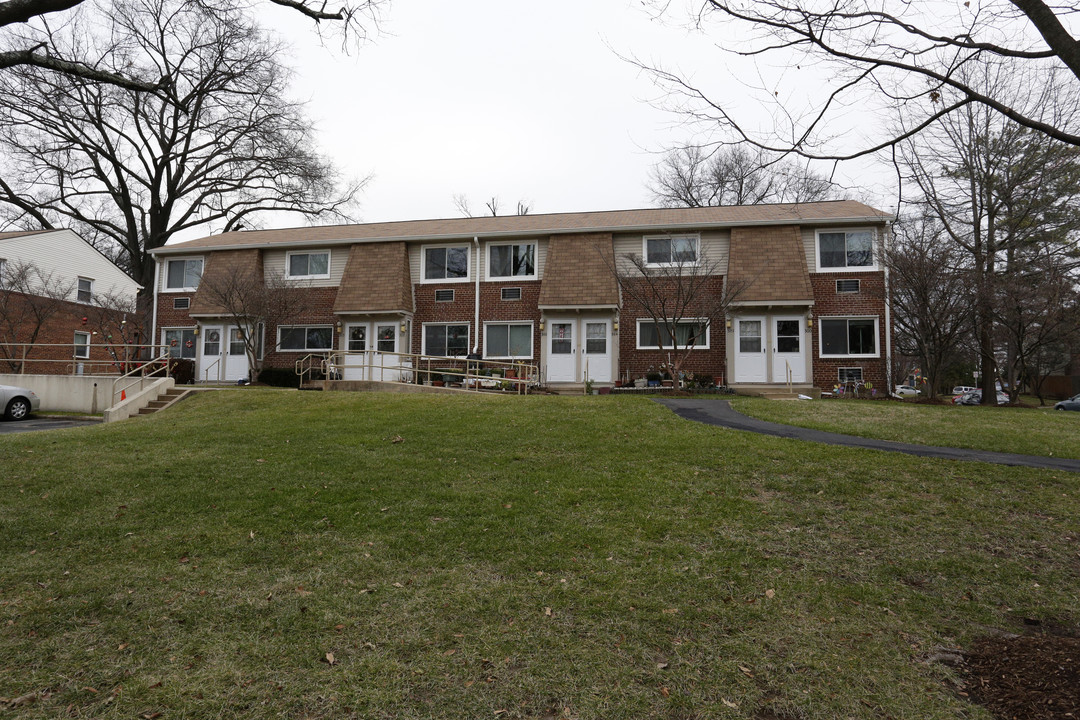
64, 307
540, 289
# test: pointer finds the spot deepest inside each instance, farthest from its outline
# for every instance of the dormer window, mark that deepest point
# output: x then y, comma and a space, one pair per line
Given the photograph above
308, 265
671, 250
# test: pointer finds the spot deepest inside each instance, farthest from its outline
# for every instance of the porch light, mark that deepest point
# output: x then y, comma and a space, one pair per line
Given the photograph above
541, 326
338, 326
615, 326
404, 327
809, 320
727, 324
195, 331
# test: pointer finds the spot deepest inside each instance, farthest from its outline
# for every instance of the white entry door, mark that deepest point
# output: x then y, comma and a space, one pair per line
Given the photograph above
788, 349
236, 359
751, 364
385, 364
597, 350
562, 351
211, 367
355, 354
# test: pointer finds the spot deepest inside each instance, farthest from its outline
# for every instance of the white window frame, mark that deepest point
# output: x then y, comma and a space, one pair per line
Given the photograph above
81, 350
468, 337
696, 237
872, 267
649, 321
321, 276
320, 326
165, 279
522, 323
78, 290
877, 336
181, 347
423, 265
535, 254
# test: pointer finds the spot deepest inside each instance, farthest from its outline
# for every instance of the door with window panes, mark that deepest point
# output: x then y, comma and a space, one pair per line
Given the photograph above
236, 359
596, 355
371, 351
211, 365
562, 350
751, 364
579, 349
789, 352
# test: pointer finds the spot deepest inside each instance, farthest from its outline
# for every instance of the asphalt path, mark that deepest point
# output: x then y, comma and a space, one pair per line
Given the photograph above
35, 423
721, 414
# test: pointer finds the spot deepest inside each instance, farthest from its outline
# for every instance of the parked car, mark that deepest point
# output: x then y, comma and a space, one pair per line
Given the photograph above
961, 389
906, 391
18, 402
1072, 403
975, 398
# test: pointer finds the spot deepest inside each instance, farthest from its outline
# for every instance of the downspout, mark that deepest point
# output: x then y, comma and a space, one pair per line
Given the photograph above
476, 314
153, 312
888, 314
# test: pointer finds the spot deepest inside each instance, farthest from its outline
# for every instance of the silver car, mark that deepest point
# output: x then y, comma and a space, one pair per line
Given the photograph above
18, 402
1072, 403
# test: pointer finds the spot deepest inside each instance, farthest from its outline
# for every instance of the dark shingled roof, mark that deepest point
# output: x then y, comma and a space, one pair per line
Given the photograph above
377, 279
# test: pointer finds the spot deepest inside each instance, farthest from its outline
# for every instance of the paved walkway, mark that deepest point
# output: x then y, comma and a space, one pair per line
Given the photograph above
720, 413
36, 422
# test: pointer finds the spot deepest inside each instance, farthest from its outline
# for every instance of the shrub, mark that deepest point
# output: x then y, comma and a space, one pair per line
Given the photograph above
279, 377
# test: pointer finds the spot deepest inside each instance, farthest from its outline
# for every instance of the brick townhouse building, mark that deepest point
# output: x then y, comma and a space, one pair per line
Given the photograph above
811, 305
65, 308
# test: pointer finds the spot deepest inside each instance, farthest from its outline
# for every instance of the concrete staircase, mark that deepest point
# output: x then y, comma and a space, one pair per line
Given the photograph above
167, 398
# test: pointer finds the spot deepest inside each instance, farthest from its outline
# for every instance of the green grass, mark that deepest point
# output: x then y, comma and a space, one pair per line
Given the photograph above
1028, 431
514, 557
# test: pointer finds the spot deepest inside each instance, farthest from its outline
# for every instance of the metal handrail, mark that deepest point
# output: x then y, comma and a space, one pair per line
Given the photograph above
141, 371
122, 355
415, 365
305, 365
210, 367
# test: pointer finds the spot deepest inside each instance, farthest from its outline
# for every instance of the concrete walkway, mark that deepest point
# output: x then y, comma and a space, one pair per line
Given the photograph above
720, 413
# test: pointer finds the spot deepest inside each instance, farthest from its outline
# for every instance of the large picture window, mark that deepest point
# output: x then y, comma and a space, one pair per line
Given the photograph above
309, 265
848, 337
675, 250
845, 249
183, 274
442, 264
653, 336
512, 261
310, 338
446, 340
181, 342
508, 340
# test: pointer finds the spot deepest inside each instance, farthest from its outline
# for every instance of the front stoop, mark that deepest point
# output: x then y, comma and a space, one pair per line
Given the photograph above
167, 398
777, 392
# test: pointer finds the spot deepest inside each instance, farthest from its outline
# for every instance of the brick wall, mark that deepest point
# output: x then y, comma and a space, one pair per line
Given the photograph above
463, 309
870, 300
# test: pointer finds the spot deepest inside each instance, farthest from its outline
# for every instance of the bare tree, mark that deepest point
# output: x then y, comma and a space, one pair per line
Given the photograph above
29, 298
26, 46
114, 317
220, 146
461, 202
928, 282
910, 54
694, 176
253, 303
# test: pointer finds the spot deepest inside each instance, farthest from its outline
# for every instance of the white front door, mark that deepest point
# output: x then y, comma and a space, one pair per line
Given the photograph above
597, 350
385, 363
211, 367
356, 356
788, 350
562, 351
751, 364
236, 359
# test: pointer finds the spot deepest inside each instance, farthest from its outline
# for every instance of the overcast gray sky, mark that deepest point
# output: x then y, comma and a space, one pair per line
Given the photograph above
522, 100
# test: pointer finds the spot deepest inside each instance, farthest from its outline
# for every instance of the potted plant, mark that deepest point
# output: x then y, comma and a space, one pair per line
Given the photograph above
653, 378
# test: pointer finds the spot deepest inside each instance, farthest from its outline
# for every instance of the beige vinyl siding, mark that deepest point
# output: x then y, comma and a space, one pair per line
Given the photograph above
274, 264
65, 256
715, 246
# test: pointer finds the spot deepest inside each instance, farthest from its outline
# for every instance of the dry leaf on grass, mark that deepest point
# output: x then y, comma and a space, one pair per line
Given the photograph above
729, 703
330, 660
664, 691
770, 593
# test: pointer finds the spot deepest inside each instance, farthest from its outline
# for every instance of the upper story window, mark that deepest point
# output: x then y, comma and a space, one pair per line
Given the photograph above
85, 292
308, 265
672, 250
512, 261
845, 250
446, 264
183, 273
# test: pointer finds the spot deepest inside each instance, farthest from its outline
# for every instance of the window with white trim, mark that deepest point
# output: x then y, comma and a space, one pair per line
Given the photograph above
654, 336
512, 260
446, 264
508, 340
846, 375
82, 345
446, 339
307, 265
183, 273
848, 337
305, 338
845, 250
180, 342
85, 291
671, 250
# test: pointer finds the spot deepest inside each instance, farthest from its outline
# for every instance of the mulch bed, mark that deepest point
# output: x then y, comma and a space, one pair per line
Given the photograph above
1026, 677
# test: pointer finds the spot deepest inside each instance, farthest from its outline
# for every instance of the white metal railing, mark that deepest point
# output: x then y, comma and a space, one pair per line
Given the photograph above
73, 358
210, 367
413, 368
152, 368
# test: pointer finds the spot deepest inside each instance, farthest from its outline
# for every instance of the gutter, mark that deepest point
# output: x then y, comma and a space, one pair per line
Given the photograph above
888, 313
476, 324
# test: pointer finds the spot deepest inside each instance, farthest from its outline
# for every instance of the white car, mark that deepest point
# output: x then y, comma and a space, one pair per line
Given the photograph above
961, 389
906, 391
18, 402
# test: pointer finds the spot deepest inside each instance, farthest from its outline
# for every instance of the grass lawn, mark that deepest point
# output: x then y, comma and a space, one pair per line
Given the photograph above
272, 554
1028, 431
